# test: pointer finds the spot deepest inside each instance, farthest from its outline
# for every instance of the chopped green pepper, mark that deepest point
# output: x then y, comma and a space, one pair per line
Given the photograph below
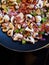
42, 12
18, 1
17, 31
48, 10
21, 30
44, 19
33, 13
42, 33
23, 41
6, 9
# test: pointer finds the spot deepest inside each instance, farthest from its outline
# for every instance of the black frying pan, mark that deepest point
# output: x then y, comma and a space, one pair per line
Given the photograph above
17, 46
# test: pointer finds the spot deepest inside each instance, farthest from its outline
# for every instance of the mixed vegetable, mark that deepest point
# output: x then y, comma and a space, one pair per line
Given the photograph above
25, 20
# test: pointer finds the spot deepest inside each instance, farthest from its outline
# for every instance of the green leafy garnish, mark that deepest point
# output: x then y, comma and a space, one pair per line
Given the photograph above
21, 30
42, 33
42, 12
6, 9
23, 41
33, 13
44, 19
18, 1
17, 31
48, 10
39, 26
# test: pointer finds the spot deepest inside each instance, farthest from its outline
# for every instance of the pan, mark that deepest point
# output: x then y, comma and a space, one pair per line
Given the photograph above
18, 46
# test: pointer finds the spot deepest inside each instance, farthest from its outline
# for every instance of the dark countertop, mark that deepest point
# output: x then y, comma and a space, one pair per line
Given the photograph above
9, 57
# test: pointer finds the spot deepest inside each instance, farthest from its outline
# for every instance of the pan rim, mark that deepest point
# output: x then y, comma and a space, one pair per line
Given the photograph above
24, 50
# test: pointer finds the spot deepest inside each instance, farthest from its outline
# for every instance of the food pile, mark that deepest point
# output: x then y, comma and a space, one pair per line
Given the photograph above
25, 20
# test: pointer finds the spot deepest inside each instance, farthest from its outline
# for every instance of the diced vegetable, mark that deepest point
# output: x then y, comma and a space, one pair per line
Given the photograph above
44, 19
23, 41
38, 11
48, 10
42, 33
6, 9
21, 30
17, 31
42, 12
18, 1
33, 13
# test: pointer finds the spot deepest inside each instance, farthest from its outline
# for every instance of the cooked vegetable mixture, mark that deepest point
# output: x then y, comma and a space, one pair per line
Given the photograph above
25, 20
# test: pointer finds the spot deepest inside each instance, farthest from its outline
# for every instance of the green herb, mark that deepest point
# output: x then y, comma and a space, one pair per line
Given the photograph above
23, 41
44, 19
42, 12
33, 13
48, 10
21, 30
18, 1
17, 31
39, 26
42, 33
6, 9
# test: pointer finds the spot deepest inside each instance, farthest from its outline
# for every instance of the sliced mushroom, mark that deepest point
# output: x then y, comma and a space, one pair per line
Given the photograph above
1, 21
11, 26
